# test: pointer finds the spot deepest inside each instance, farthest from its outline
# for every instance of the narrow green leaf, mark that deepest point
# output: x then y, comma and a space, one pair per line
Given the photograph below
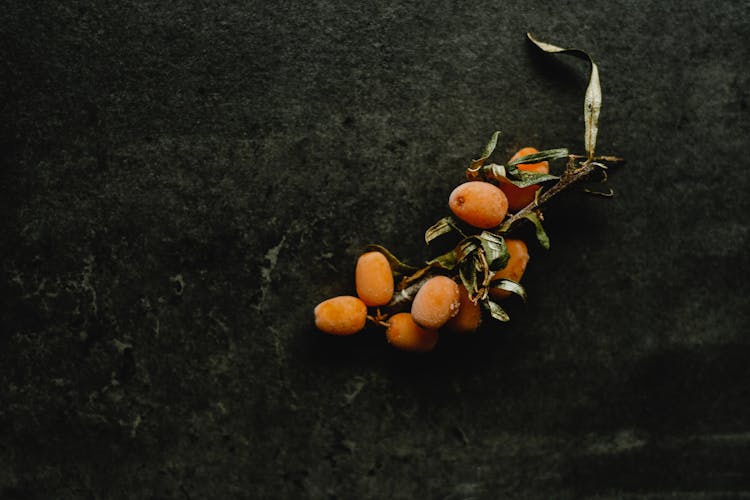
397, 266
541, 234
468, 273
546, 155
496, 311
530, 178
441, 227
412, 278
447, 261
510, 286
466, 247
488, 149
495, 250
592, 102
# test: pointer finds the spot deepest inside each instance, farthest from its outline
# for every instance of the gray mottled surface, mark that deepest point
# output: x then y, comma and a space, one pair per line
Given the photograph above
182, 182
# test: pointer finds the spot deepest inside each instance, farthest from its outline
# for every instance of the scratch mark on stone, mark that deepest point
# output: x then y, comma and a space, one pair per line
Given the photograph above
180, 280
39, 289
86, 283
213, 315
740, 438
17, 279
460, 434
121, 346
266, 273
358, 384
465, 491
276, 343
134, 426
623, 440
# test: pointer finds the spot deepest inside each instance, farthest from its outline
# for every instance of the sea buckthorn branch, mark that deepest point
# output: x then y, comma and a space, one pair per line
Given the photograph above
487, 260
573, 174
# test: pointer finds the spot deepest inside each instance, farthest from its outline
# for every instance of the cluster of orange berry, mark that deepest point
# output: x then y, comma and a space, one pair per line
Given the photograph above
441, 302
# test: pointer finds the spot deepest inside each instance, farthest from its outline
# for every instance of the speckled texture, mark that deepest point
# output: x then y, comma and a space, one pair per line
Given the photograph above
181, 182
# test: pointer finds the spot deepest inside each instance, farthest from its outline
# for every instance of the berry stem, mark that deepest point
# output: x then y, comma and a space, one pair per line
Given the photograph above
405, 296
570, 176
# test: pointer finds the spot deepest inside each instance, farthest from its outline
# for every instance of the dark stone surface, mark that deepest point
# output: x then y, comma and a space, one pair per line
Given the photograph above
182, 182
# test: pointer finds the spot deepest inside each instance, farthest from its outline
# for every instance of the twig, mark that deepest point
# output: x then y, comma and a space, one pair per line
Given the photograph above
571, 176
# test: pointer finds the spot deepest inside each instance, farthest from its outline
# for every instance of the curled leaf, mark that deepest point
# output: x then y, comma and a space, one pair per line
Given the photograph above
488, 149
496, 311
541, 234
441, 227
592, 101
607, 194
494, 171
519, 178
546, 155
509, 286
467, 271
446, 261
397, 266
530, 178
466, 247
532, 217
495, 250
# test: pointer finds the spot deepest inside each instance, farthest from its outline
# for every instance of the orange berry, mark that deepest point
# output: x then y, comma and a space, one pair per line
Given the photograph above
479, 204
514, 269
405, 334
520, 197
436, 302
469, 314
343, 315
374, 279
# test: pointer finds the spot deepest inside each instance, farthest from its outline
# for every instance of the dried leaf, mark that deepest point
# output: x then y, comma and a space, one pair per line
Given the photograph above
397, 266
592, 102
494, 171
592, 106
546, 155
488, 149
526, 179
495, 250
496, 311
446, 261
510, 286
541, 234
466, 247
468, 273
441, 227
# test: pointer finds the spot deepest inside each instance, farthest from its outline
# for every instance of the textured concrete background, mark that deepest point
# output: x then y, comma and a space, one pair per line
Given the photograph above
182, 182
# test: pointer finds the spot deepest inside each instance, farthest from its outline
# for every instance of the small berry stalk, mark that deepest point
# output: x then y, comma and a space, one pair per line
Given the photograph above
488, 259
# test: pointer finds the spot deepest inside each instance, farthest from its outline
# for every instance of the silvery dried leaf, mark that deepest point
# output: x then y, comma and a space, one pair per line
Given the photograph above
509, 286
592, 101
441, 227
496, 311
495, 250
